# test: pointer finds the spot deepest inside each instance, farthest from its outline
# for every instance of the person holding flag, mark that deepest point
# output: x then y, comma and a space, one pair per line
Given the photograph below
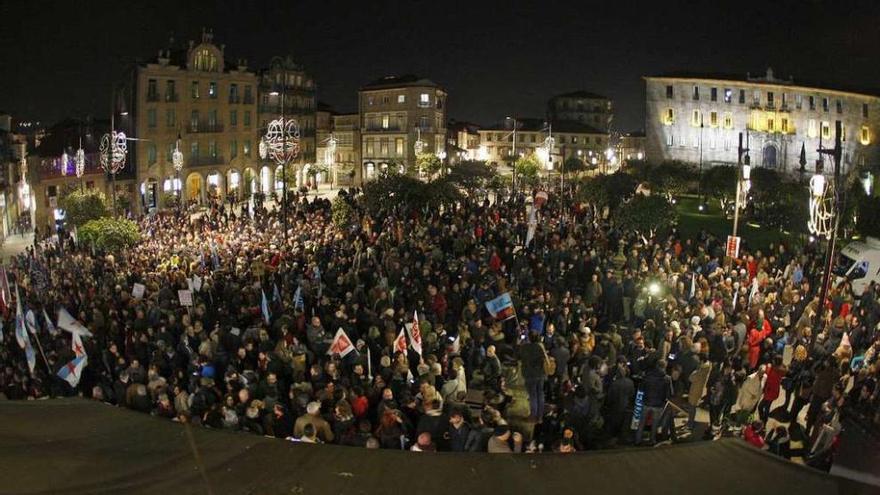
400, 342
415, 334
341, 345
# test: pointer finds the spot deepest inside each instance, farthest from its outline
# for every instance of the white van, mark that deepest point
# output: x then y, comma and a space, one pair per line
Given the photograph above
859, 261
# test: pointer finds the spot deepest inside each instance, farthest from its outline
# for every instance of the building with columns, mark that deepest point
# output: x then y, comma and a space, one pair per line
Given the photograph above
397, 115
697, 118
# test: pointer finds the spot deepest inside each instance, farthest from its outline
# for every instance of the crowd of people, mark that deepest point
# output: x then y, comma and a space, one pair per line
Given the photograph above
612, 338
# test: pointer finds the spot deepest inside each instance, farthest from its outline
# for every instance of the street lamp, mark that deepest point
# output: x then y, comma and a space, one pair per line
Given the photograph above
114, 149
825, 207
330, 158
177, 161
281, 143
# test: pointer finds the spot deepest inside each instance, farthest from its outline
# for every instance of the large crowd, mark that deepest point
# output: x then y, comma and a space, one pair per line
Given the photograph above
615, 341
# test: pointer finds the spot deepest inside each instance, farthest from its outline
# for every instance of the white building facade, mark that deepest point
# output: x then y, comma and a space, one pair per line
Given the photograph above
698, 119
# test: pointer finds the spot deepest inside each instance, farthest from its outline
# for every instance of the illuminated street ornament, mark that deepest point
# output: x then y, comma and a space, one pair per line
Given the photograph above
281, 141
80, 162
419, 146
821, 207
113, 149
64, 160
330, 151
745, 186
177, 158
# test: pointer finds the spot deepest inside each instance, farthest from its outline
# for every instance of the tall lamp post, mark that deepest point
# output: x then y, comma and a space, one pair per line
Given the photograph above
743, 180
80, 161
825, 207
177, 162
281, 143
114, 148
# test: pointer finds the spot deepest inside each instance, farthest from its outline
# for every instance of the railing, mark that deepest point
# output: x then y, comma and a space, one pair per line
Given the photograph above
152, 97
202, 127
204, 160
379, 128
172, 97
234, 99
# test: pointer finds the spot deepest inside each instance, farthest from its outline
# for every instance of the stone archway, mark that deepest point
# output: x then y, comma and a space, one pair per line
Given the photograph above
249, 182
234, 184
214, 190
195, 189
150, 192
770, 156
266, 180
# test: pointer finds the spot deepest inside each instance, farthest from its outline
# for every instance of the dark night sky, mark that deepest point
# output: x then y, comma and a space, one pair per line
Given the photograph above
495, 58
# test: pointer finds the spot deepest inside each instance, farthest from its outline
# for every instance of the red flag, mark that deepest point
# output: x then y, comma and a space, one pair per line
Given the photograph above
341, 344
400, 342
415, 334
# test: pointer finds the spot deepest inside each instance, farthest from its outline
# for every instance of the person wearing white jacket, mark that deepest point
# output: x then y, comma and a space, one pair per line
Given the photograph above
750, 393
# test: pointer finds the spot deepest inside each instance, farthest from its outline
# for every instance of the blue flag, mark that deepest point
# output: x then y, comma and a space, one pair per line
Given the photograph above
501, 308
276, 295
264, 306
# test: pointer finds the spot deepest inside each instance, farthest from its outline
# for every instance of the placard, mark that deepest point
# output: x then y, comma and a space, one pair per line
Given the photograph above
733, 246
137, 291
186, 297
197, 283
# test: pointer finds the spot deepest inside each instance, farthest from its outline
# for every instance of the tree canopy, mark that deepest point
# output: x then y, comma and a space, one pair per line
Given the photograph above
110, 234
608, 190
646, 215
82, 206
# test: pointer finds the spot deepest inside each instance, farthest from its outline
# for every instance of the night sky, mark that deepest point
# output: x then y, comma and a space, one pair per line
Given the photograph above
495, 58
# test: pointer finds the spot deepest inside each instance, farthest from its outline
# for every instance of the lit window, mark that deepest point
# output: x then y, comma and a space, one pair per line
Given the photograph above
826, 130
669, 117
713, 119
194, 91
728, 95
401, 98
696, 119
398, 146
669, 140
784, 125
386, 120
771, 125
798, 101
865, 135
728, 121
212, 89
811, 129
424, 99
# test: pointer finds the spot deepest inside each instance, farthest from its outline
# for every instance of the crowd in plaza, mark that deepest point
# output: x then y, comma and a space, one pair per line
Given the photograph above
611, 338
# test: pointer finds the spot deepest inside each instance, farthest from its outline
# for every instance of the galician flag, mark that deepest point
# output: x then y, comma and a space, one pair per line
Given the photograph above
72, 371
50, 327
415, 334
69, 323
298, 303
264, 307
76, 345
30, 321
20, 333
341, 344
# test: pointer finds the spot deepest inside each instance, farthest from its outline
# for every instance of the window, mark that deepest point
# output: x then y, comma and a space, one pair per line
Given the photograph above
233, 148
784, 125
812, 100
784, 100
669, 91
151, 153
824, 104
798, 101
770, 98
383, 146
247, 94
212, 89
247, 118
669, 140
194, 90
574, 140
369, 146
233, 118
212, 118
695, 141
206, 60
826, 129
401, 98
194, 120
194, 150
489, 137
424, 100
756, 97
811, 128
669, 116
170, 91
152, 92
728, 95
370, 100
696, 92
713, 119
742, 96
386, 99
865, 135
386, 121
233, 93
865, 110
170, 117
771, 124
151, 118
169, 152
728, 121
713, 94
423, 122
246, 148
839, 105
696, 118
212, 148
398, 146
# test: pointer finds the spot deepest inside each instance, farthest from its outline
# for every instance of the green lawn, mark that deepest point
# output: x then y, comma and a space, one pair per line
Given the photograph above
691, 221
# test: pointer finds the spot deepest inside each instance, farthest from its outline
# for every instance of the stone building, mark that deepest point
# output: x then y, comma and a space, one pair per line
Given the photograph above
398, 114
462, 141
338, 150
582, 106
697, 118
16, 192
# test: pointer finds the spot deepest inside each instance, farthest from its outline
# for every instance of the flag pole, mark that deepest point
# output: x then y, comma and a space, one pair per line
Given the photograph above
369, 364
40, 347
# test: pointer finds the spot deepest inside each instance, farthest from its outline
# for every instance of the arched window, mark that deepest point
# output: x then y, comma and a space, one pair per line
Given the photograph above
205, 60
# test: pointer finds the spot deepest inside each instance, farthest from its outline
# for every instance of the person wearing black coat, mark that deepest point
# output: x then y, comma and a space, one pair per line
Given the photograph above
619, 402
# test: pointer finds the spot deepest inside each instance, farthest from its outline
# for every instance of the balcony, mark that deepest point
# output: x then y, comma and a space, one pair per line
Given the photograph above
204, 127
288, 109
172, 97
234, 99
200, 161
151, 97
379, 128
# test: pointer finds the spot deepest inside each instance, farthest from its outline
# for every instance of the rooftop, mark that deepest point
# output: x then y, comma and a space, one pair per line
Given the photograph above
581, 94
531, 124
768, 78
393, 81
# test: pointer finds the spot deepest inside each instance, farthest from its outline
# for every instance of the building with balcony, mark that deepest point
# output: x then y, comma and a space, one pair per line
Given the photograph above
192, 98
695, 118
16, 194
462, 141
338, 150
584, 107
286, 90
400, 116
571, 139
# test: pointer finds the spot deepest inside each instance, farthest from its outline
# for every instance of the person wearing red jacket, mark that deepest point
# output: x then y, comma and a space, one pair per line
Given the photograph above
760, 330
772, 385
